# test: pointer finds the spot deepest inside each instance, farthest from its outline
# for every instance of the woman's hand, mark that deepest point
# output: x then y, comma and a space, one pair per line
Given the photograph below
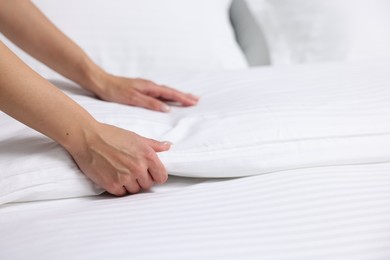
140, 92
28, 28
120, 161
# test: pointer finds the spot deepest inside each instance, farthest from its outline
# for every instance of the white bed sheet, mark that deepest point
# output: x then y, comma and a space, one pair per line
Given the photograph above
248, 122
339, 212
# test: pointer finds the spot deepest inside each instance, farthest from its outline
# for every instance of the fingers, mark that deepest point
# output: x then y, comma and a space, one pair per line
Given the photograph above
156, 145
145, 181
151, 103
150, 96
186, 99
174, 95
158, 172
117, 190
121, 161
155, 104
144, 93
133, 187
170, 94
155, 166
143, 177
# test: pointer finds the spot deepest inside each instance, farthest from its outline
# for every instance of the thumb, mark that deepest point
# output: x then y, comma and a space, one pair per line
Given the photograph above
157, 145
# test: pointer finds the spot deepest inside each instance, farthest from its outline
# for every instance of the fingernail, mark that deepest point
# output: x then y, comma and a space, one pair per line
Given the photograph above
165, 108
167, 143
193, 96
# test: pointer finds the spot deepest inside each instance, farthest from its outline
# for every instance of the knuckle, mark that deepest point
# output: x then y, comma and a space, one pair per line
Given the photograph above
110, 187
150, 155
117, 190
147, 186
155, 105
135, 188
138, 170
132, 97
146, 182
161, 177
125, 178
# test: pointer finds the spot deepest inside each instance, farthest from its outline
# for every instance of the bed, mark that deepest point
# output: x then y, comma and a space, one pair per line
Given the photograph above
289, 161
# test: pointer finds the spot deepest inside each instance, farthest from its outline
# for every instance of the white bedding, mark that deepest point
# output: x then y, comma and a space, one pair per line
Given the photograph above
338, 213
329, 212
316, 139
247, 123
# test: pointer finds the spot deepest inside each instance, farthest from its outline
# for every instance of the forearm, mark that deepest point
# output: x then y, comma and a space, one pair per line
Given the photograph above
115, 159
28, 28
33, 101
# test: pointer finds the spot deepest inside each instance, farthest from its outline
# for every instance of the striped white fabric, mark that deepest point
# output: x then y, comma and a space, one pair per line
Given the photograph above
247, 123
338, 213
268, 119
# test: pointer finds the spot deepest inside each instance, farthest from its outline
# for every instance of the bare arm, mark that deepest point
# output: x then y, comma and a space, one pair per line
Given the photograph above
28, 28
117, 160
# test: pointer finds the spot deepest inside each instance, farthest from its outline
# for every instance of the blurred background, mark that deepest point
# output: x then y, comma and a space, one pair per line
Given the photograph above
300, 31
136, 37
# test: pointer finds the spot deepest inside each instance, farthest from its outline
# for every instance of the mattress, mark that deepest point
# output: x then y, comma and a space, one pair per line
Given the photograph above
339, 212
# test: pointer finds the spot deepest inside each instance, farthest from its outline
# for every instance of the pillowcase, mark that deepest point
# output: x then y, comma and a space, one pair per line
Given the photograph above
247, 122
299, 31
132, 37
249, 34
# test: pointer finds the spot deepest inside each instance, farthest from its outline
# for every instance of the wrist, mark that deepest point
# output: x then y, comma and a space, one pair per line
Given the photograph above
92, 77
77, 138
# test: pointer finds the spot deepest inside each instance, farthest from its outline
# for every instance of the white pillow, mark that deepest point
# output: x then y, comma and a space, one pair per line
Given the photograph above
247, 122
132, 37
299, 31
249, 34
